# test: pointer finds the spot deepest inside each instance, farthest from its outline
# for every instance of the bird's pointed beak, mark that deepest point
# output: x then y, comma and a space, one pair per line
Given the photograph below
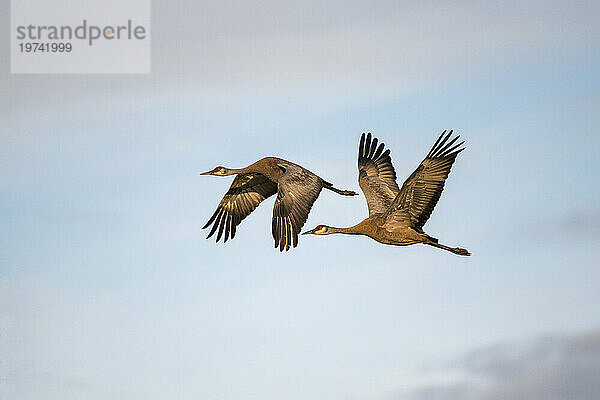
206, 173
311, 232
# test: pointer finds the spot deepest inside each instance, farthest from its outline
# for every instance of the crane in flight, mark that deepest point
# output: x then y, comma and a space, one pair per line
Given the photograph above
397, 215
297, 189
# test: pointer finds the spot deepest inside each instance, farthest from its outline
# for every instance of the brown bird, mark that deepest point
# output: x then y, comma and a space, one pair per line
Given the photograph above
297, 189
397, 215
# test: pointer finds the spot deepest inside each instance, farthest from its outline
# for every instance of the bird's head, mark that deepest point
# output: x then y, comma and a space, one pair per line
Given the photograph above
217, 171
320, 230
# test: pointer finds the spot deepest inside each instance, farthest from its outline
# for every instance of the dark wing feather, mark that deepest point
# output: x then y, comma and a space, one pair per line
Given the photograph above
376, 175
423, 188
244, 195
298, 189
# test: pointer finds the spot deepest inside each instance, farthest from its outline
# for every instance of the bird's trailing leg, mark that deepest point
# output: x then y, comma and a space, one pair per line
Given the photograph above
455, 250
329, 186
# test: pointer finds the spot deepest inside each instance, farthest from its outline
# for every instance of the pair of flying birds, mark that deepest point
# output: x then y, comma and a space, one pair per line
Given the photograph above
396, 215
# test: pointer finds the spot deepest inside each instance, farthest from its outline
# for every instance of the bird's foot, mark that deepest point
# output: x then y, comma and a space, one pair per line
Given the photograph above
461, 252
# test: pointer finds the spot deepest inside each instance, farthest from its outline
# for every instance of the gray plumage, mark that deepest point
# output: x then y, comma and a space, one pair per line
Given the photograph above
376, 175
297, 189
397, 215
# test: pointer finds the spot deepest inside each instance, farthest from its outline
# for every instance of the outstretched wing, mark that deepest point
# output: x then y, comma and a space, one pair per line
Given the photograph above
244, 195
423, 188
297, 191
376, 175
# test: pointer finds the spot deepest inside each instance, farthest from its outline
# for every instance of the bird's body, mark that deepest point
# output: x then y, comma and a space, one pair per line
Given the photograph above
397, 215
268, 166
297, 189
378, 229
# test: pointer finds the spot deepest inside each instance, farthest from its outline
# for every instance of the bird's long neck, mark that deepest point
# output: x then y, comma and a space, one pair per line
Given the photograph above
351, 230
235, 171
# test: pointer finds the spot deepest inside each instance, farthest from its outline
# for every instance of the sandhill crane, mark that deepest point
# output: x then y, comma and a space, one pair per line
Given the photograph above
297, 189
397, 215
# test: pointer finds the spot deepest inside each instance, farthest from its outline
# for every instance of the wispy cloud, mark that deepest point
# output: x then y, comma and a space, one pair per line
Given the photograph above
549, 368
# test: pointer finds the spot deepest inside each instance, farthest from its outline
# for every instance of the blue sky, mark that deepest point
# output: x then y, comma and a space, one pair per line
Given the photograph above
109, 289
